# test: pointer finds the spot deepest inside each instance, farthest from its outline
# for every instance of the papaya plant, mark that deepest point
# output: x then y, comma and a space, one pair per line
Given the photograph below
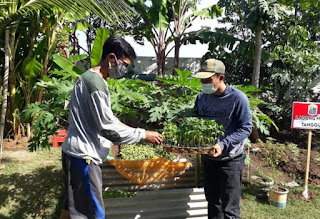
48, 115
193, 132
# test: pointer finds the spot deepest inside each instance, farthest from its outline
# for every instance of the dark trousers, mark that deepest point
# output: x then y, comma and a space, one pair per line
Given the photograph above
222, 185
83, 188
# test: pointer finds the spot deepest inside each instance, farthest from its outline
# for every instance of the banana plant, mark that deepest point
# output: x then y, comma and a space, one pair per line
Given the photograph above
164, 22
185, 12
155, 26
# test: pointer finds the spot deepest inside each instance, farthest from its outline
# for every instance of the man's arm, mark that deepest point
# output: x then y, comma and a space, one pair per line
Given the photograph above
114, 130
151, 136
243, 118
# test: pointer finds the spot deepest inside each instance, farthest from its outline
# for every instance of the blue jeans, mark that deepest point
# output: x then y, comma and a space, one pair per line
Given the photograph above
222, 185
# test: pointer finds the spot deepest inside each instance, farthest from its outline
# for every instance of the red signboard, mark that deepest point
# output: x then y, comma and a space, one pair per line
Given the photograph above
305, 115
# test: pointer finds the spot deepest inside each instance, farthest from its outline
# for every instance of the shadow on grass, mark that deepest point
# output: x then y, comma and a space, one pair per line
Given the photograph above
36, 194
253, 191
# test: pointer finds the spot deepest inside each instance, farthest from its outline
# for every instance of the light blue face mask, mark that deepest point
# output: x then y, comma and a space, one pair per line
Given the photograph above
118, 71
208, 88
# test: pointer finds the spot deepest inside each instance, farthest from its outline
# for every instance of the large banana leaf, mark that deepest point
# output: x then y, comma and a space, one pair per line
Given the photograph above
210, 12
154, 12
66, 65
96, 53
76, 58
31, 68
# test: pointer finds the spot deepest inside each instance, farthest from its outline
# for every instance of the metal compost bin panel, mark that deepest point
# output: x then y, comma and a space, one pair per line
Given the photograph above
168, 203
113, 180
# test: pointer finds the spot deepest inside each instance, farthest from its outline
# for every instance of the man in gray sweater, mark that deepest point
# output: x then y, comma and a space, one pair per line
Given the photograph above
92, 128
223, 166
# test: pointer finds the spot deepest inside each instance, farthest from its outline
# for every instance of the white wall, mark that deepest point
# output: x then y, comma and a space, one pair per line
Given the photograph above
147, 65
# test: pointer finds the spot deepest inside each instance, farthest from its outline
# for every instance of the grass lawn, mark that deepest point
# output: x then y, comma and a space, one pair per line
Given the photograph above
31, 187
253, 208
31, 184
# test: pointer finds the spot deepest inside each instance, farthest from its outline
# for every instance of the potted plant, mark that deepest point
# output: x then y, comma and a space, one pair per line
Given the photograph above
278, 196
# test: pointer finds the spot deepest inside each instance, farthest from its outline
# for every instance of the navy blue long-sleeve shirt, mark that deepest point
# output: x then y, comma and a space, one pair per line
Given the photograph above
232, 110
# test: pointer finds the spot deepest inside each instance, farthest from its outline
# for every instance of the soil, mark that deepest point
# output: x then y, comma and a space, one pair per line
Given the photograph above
15, 150
290, 167
12, 145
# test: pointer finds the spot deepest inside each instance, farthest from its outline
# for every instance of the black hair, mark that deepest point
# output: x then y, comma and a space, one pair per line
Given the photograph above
119, 47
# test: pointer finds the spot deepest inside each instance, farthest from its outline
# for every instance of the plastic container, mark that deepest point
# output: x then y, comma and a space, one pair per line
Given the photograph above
278, 197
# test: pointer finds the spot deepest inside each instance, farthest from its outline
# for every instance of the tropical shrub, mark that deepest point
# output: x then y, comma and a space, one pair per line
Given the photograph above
50, 114
262, 121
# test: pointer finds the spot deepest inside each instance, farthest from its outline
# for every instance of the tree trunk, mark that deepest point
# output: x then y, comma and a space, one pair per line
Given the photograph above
256, 73
257, 57
28, 131
176, 55
161, 62
16, 126
51, 43
159, 65
13, 86
44, 70
163, 65
5, 88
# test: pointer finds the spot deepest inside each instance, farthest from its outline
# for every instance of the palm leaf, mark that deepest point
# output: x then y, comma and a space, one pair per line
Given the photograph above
111, 10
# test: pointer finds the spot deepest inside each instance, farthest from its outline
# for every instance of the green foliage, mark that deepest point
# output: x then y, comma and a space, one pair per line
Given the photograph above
138, 102
31, 68
192, 132
171, 99
276, 154
261, 12
143, 151
44, 124
129, 98
145, 101
20, 10
169, 132
262, 121
67, 64
97, 49
295, 70
157, 18
48, 115
293, 148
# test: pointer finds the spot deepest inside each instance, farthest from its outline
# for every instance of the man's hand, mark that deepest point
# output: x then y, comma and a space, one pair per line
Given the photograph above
153, 137
216, 151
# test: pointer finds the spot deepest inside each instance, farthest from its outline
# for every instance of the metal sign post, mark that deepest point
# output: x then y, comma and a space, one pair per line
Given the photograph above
306, 116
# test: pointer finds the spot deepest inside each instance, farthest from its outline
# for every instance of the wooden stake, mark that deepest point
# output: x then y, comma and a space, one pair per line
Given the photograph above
306, 180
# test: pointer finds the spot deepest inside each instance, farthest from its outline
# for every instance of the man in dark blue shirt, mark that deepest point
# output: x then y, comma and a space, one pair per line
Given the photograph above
223, 166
